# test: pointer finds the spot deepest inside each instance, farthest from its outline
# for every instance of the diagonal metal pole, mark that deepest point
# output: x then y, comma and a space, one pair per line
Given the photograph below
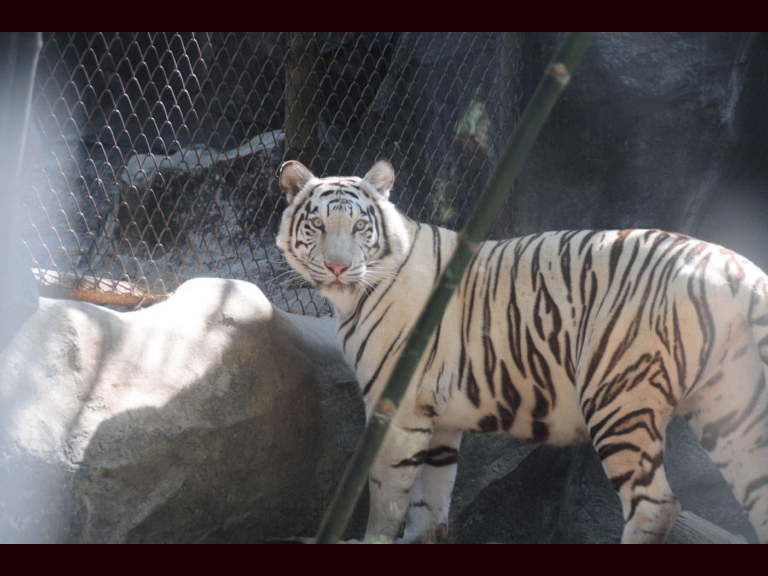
475, 231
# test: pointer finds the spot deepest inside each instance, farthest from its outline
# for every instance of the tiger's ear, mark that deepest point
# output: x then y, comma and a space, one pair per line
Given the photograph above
293, 176
382, 177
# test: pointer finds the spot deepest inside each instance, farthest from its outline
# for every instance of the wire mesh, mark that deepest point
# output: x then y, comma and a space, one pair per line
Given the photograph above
156, 153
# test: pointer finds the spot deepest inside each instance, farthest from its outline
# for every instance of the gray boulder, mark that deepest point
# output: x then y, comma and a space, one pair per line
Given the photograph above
210, 417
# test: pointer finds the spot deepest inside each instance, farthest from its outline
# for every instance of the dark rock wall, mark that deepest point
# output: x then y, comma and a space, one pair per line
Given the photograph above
655, 130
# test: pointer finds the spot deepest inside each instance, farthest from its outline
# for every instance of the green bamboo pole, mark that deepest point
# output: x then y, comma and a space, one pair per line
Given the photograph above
474, 232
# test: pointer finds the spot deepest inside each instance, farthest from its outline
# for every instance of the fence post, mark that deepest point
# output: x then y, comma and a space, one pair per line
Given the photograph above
301, 89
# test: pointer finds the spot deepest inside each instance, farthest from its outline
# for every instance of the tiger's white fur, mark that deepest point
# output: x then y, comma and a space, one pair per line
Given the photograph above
555, 337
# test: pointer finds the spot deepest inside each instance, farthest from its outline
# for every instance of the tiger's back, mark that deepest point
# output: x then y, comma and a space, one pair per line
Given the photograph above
555, 337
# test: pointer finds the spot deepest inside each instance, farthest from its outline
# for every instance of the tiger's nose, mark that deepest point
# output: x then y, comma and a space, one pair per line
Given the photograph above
337, 268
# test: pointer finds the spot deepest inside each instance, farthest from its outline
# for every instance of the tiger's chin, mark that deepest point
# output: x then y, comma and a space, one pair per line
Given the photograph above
337, 287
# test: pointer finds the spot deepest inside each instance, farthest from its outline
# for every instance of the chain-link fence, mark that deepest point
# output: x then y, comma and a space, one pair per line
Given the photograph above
156, 153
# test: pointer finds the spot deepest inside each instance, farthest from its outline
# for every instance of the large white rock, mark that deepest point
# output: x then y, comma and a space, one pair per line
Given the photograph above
212, 417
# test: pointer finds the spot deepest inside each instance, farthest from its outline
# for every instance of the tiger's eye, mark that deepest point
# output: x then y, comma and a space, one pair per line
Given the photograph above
316, 222
360, 225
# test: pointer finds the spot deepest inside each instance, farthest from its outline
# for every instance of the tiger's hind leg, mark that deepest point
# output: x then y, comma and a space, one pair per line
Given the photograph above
426, 520
633, 459
629, 437
729, 414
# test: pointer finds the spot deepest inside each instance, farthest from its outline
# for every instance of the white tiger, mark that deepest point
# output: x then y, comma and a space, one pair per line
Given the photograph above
554, 338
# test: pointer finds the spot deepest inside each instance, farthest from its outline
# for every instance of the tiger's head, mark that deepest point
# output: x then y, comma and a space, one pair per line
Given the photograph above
341, 233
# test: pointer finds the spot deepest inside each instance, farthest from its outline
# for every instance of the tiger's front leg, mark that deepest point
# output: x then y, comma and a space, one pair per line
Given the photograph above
426, 520
399, 464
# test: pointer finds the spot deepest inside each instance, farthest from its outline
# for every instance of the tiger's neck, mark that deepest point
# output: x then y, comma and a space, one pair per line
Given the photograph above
373, 326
